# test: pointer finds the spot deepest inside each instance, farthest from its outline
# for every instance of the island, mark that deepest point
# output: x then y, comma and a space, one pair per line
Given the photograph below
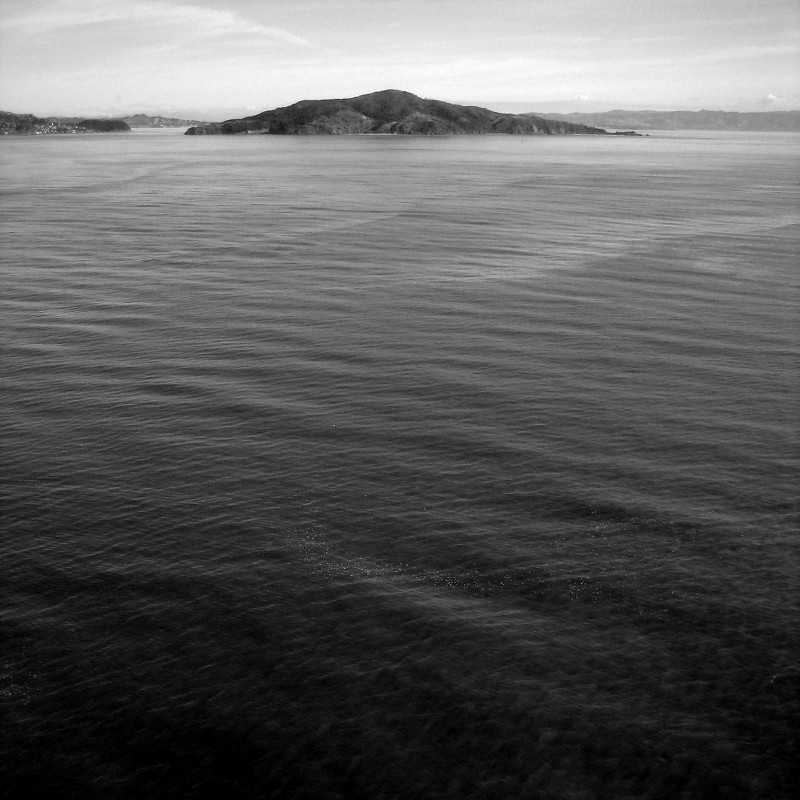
104, 125
389, 112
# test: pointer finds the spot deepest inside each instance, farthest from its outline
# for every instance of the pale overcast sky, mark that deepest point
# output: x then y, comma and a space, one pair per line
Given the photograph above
216, 58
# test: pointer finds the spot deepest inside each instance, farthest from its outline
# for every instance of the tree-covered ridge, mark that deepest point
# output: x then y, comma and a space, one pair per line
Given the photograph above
104, 125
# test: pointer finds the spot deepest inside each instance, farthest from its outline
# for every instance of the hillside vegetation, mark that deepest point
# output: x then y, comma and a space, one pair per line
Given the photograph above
389, 111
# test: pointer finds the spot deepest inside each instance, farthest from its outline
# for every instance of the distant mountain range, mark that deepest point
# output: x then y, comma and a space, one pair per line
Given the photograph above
787, 121
390, 111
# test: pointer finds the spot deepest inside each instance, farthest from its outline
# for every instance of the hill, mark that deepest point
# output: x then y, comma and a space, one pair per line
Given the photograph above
28, 124
787, 121
104, 125
389, 111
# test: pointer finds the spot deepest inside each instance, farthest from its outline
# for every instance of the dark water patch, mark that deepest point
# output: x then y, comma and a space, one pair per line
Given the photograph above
398, 697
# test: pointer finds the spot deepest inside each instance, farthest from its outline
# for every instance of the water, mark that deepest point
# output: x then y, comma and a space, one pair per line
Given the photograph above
400, 467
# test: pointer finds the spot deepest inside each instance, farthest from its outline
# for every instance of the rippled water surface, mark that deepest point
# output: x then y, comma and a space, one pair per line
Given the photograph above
377, 467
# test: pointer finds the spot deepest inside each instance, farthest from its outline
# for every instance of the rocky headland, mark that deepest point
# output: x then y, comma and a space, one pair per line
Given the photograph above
389, 112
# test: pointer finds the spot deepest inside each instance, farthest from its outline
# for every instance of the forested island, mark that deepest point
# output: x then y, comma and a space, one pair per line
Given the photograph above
390, 112
104, 125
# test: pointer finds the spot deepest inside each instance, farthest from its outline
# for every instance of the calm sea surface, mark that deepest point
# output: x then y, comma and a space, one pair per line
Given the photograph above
375, 467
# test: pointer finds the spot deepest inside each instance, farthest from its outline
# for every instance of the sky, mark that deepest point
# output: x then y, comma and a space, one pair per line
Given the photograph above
216, 59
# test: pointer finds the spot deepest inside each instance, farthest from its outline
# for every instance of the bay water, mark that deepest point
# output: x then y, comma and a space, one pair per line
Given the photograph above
399, 467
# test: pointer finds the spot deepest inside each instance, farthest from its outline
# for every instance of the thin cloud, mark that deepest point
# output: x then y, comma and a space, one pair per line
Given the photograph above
189, 20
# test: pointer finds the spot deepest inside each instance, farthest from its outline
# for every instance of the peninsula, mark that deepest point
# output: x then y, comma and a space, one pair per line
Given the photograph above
390, 112
28, 124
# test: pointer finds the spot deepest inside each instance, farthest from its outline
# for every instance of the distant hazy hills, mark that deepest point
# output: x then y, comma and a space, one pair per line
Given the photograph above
390, 111
689, 120
144, 121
